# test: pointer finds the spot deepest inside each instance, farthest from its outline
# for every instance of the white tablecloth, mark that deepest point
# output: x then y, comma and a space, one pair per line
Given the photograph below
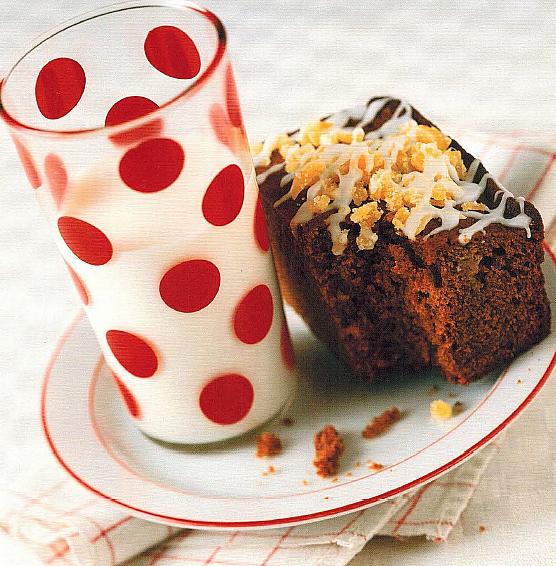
488, 67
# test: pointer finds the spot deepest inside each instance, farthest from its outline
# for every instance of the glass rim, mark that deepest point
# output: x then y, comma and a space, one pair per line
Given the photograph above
103, 11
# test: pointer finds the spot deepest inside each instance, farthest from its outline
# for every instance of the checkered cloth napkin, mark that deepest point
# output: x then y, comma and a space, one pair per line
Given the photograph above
65, 524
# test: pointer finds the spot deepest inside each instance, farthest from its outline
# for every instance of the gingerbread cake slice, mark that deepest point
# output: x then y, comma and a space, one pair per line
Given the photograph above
398, 248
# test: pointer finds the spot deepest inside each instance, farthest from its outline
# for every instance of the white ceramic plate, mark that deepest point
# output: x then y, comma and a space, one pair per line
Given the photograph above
223, 486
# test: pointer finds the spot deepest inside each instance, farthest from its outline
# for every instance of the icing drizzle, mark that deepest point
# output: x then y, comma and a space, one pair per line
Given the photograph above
466, 190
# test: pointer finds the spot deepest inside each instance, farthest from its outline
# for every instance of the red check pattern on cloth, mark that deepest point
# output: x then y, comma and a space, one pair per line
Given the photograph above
65, 524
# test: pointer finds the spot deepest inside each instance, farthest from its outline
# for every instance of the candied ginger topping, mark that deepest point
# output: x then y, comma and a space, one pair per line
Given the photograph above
366, 216
262, 152
409, 173
409, 176
440, 410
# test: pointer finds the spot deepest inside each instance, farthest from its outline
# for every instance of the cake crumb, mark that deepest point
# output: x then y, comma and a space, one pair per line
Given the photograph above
458, 408
268, 444
326, 497
287, 421
348, 474
357, 464
329, 447
271, 470
433, 390
440, 410
381, 423
305, 482
334, 479
374, 466
520, 381
482, 528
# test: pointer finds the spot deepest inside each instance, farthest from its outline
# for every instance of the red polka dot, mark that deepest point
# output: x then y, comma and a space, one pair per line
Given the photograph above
224, 197
128, 109
172, 52
227, 399
286, 347
190, 286
79, 285
253, 316
57, 177
232, 100
220, 124
59, 87
129, 399
153, 165
28, 164
86, 241
261, 232
133, 353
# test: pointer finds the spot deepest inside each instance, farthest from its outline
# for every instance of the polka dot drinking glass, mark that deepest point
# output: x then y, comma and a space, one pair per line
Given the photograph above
129, 129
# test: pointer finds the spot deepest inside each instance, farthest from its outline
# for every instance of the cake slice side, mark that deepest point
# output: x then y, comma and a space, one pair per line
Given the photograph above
485, 303
351, 302
413, 302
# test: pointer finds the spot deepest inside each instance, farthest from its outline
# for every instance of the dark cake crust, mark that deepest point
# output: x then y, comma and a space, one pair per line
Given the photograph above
414, 303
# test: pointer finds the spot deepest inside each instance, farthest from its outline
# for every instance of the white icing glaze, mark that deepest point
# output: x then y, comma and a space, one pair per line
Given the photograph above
401, 115
449, 216
343, 195
286, 179
262, 177
470, 191
462, 191
522, 220
263, 157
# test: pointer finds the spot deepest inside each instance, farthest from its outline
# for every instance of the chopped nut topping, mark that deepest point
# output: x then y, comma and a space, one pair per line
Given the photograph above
440, 410
262, 152
398, 164
256, 147
366, 216
479, 206
403, 173
400, 218
319, 203
340, 244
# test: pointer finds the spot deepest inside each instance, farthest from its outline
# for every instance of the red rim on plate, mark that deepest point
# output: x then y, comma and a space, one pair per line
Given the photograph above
296, 518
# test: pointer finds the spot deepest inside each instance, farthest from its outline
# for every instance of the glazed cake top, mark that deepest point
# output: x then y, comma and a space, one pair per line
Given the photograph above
402, 172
